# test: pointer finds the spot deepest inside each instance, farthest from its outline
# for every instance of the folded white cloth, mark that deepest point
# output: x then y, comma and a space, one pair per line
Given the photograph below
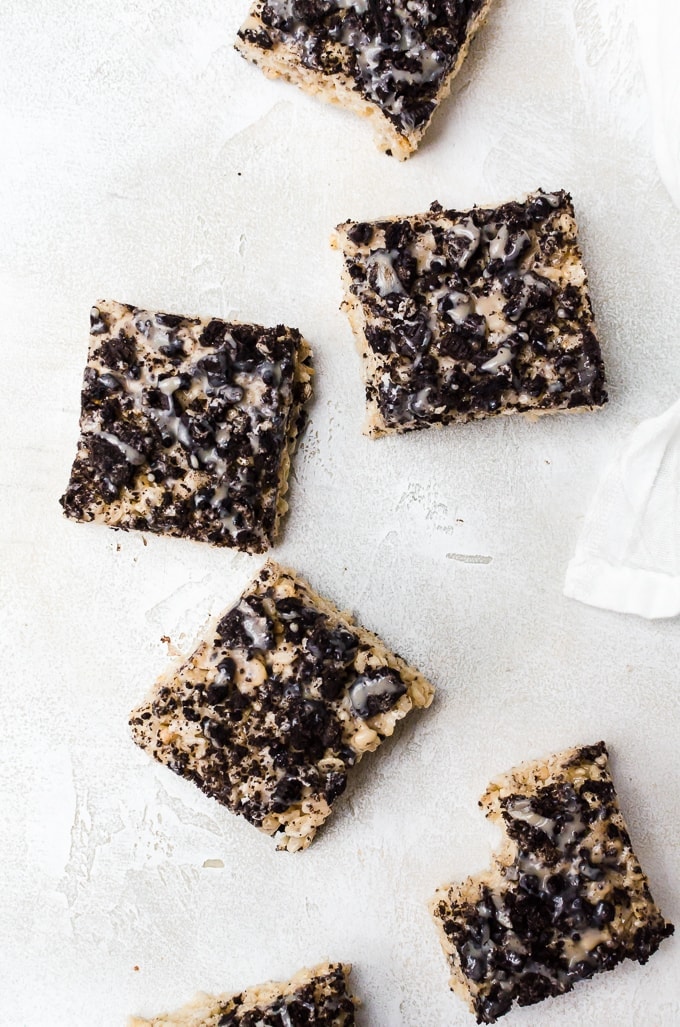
628, 556
658, 28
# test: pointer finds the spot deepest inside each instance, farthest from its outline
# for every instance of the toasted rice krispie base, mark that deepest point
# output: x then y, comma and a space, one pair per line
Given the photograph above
565, 898
461, 315
317, 996
188, 425
275, 707
280, 55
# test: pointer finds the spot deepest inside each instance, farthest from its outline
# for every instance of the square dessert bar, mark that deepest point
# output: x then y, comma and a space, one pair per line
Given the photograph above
460, 315
276, 706
313, 998
187, 426
564, 899
392, 61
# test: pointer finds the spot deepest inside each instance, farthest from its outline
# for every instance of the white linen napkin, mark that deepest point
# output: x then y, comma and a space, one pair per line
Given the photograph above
658, 30
628, 556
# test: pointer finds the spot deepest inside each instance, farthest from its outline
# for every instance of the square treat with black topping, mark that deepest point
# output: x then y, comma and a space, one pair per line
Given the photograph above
188, 425
318, 997
392, 61
276, 706
460, 315
565, 898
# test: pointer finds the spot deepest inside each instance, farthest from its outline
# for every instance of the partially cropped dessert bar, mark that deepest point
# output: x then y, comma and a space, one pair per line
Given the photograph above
318, 997
460, 315
565, 898
187, 425
391, 61
275, 707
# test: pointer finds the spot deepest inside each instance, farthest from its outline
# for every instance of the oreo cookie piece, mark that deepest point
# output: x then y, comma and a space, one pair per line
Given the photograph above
461, 315
318, 997
392, 61
565, 898
188, 425
278, 703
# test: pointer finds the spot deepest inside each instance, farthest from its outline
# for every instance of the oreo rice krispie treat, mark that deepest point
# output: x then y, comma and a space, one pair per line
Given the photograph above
188, 425
392, 61
460, 315
276, 706
565, 898
318, 997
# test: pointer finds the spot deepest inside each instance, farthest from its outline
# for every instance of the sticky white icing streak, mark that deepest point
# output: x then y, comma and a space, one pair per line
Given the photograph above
383, 277
502, 359
460, 305
132, 455
360, 6
255, 627
521, 809
246, 392
379, 84
503, 248
427, 66
364, 689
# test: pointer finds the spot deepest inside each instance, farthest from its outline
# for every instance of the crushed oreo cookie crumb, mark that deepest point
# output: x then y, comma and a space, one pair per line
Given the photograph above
394, 59
187, 426
565, 900
317, 997
461, 315
275, 707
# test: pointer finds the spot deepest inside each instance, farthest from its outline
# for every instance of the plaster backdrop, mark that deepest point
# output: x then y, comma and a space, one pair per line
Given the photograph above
143, 160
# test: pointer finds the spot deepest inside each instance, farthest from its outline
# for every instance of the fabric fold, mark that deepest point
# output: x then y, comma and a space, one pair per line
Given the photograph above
627, 558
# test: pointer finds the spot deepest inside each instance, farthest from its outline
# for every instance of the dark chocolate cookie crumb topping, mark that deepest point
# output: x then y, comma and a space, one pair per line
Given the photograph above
566, 900
269, 715
187, 425
395, 58
465, 314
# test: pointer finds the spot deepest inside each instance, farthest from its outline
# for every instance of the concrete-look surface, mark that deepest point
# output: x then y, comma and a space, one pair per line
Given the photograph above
143, 160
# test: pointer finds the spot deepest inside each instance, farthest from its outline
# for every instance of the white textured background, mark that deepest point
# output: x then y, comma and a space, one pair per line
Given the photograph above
143, 160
